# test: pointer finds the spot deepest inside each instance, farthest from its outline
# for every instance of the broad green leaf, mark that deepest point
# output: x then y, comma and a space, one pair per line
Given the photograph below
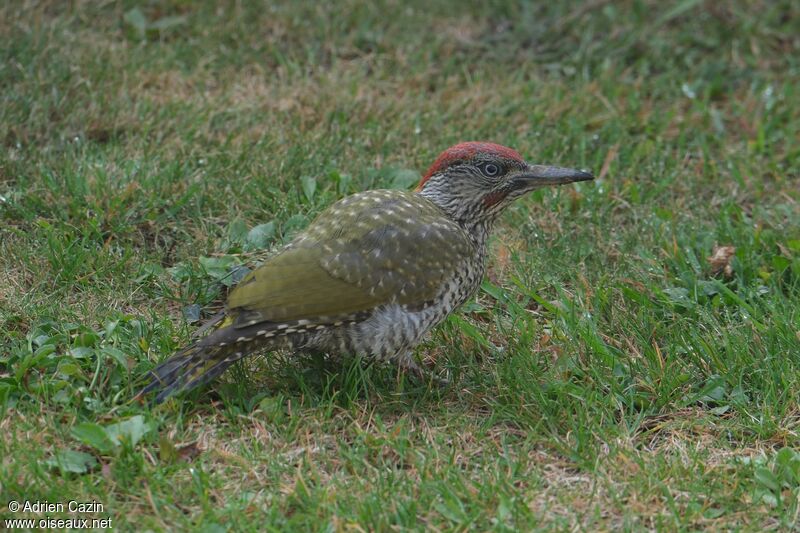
131, 430
87, 338
69, 369
81, 352
237, 230
780, 263
116, 355
237, 274
192, 312
293, 225
767, 479
309, 185
260, 236
72, 461
218, 267
343, 182
167, 23
93, 435
136, 22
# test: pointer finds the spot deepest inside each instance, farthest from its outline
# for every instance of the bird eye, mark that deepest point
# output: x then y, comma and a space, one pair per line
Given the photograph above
490, 169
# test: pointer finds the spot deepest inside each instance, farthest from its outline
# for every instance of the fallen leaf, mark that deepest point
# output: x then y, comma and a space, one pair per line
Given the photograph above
720, 261
610, 156
499, 266
503, 258
189, 452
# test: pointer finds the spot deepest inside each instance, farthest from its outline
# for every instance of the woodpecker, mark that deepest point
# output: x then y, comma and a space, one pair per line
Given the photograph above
373, 273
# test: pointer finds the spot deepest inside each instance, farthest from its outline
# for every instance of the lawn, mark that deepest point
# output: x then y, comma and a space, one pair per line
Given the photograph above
631, 362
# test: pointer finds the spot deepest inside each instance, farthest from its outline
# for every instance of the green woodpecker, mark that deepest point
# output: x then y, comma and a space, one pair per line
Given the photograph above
373, 273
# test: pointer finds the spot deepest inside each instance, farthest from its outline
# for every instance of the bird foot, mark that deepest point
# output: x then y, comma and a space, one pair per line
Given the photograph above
410, 367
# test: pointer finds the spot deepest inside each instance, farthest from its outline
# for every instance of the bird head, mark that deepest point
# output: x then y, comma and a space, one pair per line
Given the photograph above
475, 181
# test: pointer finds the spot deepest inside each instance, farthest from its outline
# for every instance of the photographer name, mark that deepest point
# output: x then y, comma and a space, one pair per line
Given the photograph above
71, 506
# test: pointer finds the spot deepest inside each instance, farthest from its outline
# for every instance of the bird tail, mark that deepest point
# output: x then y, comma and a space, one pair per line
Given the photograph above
196, 364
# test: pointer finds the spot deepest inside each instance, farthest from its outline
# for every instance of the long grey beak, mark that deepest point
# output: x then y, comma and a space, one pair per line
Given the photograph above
540, 175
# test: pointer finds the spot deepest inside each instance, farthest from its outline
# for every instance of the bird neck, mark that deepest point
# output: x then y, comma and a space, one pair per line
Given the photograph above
478, 225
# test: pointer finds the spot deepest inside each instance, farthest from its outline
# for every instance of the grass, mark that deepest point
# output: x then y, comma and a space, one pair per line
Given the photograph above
604, 378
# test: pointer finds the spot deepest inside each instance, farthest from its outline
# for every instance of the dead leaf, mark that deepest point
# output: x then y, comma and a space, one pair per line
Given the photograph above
720, 261
502, 260
503, 257
189, 452
610, 156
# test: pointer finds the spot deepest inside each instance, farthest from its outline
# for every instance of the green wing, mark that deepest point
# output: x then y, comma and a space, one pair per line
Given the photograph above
364, 251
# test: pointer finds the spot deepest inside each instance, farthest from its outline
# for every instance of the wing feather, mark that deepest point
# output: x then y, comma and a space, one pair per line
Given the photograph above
363, 252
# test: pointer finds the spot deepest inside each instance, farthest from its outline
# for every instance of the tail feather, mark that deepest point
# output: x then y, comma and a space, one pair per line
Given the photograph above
196, 364
207, 358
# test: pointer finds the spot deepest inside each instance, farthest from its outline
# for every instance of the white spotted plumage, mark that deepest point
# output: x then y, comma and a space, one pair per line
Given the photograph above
407, 259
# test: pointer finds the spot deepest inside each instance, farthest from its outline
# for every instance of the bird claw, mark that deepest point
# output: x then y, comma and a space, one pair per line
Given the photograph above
412, 368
